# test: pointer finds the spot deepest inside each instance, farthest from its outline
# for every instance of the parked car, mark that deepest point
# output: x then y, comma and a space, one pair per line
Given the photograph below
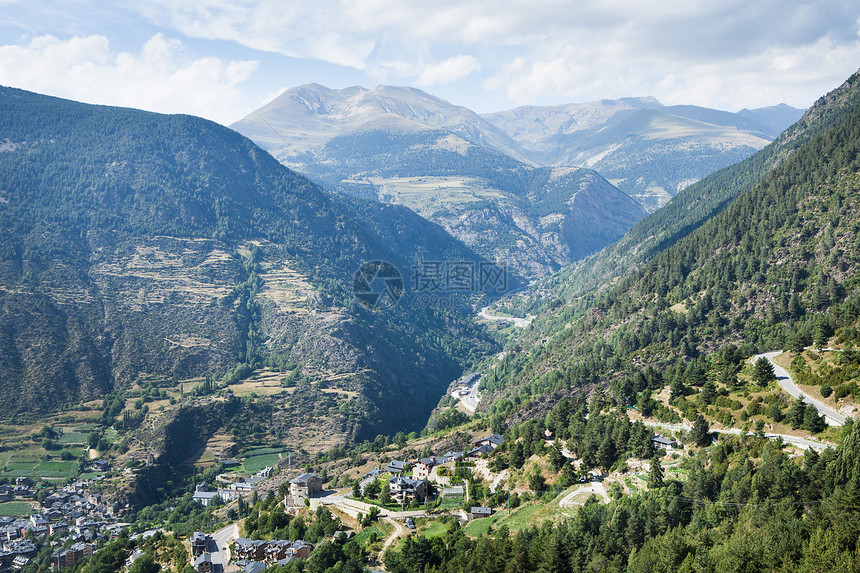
409, 523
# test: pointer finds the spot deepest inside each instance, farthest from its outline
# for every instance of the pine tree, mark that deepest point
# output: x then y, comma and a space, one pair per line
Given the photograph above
775, 412
821, 335
764, 373
812, 422
794, 308
517, 456
655, 478
606, 453
796, 414
678, 389
385, 494
568, 477
556, 458
701, 431
536, 481
709, 393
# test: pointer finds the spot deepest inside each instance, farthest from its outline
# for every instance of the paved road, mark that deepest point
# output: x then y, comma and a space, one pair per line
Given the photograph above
470, 401
736, 432
595, 487
221, 540
353, 507
832, 417
518, 322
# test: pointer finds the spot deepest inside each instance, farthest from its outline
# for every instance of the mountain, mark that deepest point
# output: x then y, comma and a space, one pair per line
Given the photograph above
303, 119
648, 150
533, 220
686, 212
135, 245
403, 146
767, 265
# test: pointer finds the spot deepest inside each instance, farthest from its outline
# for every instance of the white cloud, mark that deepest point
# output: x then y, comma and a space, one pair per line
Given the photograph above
729, 54
448, 71
160, 78
540, 50
333, 32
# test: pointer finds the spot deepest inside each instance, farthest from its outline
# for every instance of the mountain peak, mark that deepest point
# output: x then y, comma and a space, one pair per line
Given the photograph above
302, 119
643, 101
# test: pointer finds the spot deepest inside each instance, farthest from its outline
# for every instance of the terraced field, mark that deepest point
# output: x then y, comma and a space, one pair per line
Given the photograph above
73, 438
431, 193
33, 467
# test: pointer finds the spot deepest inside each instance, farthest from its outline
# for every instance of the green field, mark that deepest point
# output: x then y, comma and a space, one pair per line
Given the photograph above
26, 465
254, 464
451, 502
57, 469
382, 530
24, 457
20, 466
15, 508
631, 486
435, 529
86, 428
73, 438
479, 527
521, 518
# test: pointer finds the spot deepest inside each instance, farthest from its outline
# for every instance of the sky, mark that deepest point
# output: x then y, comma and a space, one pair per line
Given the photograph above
222, 59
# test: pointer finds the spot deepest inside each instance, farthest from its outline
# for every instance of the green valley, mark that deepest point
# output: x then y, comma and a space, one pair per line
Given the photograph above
196, 373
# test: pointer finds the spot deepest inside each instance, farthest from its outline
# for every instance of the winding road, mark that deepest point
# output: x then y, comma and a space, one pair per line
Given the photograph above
399, 531
832, 417
470, 400
804, 442
518, 322
593, 487
219, 547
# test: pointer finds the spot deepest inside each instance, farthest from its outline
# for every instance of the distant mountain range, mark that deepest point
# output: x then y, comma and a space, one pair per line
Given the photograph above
509, 184
648, 150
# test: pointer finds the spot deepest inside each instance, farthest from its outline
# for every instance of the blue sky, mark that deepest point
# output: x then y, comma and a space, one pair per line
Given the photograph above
222, 59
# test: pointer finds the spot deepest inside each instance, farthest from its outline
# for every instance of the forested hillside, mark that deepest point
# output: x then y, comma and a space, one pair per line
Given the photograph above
692, 207
777, 265
745, 505
136, 244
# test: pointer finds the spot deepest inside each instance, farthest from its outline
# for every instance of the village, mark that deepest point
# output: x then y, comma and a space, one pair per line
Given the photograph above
77, 519
398, 492
414, 485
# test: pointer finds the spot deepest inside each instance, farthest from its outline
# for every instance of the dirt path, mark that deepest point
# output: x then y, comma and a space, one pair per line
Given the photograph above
399, 531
